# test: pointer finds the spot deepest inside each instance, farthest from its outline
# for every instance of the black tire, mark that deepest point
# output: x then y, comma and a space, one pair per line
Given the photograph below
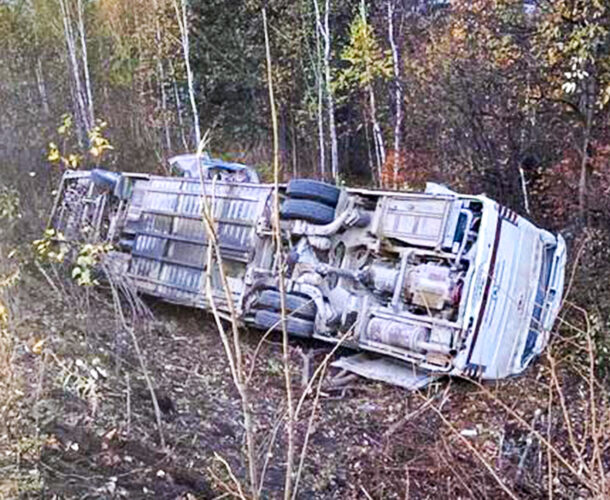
314, 190
308, 210
294, 326
300, 306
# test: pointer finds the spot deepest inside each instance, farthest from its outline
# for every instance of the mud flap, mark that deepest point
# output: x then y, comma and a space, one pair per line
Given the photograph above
386, 370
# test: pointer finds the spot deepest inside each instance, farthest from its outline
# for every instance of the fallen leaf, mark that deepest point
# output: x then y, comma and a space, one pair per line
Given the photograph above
37, 347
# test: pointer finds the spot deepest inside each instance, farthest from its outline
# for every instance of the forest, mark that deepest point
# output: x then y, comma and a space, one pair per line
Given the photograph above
510, 98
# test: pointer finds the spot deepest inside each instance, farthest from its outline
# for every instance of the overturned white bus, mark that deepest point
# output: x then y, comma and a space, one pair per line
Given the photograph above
441, 282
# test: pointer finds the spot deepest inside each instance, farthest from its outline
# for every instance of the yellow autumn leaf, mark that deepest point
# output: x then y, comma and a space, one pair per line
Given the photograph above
37, 347
73, 160
53, 155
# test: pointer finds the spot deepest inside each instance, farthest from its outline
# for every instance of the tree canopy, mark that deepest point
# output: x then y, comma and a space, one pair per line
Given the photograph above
502, 96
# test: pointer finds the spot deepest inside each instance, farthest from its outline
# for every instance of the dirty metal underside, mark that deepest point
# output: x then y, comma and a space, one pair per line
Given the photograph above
391, 273
168, 239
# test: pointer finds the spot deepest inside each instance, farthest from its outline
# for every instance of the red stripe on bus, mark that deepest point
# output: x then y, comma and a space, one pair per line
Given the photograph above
485, 298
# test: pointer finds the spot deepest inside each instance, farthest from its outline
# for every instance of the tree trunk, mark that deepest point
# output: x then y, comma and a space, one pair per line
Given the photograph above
397, 94
526, 203
321, 144
40, 81
293, 148
83, 43
161, 78
182, 16
368, 146
77, 91
178, 106
320, 85
168, 137
582, 182
42, 88
334, 152
324, 30
380, 153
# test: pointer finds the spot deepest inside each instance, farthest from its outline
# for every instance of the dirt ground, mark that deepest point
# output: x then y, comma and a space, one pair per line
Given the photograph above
79, 420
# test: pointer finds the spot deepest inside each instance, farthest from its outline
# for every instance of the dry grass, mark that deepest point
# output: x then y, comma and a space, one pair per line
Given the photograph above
19, 443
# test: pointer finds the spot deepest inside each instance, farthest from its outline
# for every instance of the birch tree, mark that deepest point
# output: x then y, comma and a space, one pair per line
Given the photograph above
323, 28
182, 13
85, 62
38, 70
319, 70
397, 92
172, 71
161, 78
78, 63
